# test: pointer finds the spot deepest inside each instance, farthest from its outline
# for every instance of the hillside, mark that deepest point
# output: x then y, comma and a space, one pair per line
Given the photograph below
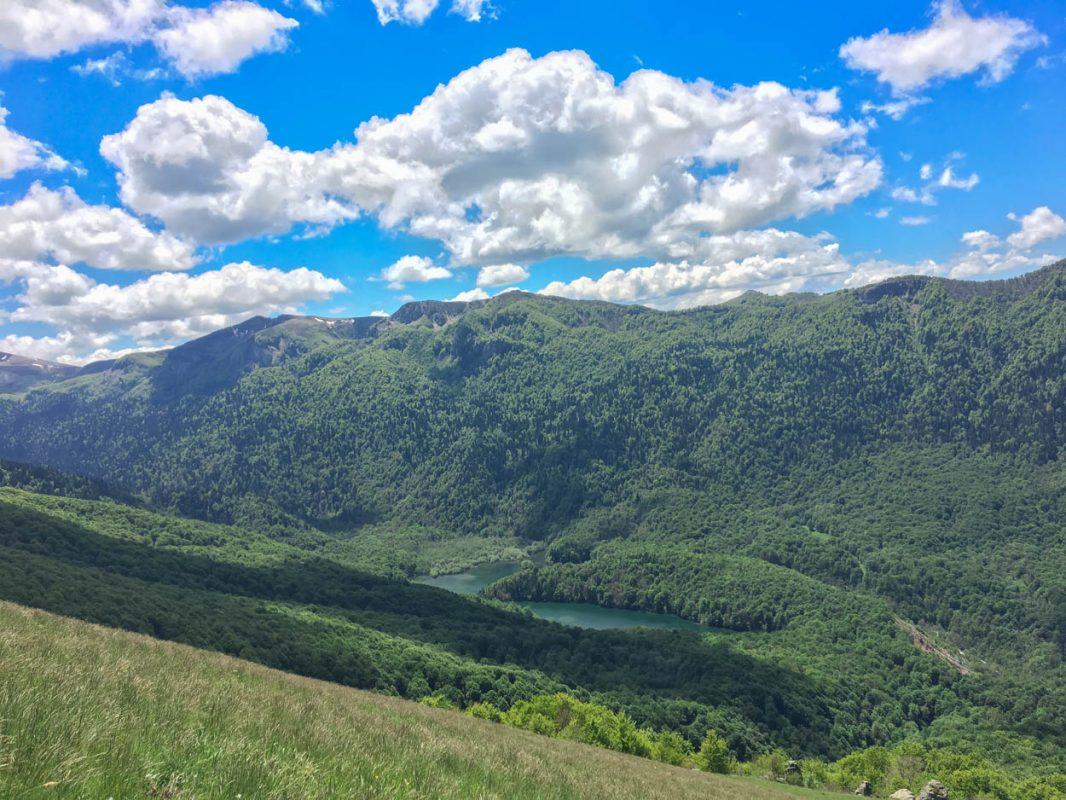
312, 607
859, 491
18, 373
92, 712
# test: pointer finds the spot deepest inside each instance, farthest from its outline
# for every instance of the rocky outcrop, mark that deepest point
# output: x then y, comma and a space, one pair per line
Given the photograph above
926, 645
901, 794
934, 790
864, 789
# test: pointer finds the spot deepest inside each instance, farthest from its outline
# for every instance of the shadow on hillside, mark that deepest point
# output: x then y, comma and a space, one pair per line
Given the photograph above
68, 569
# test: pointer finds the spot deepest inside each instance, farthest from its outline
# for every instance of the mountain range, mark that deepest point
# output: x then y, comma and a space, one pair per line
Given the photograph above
860, 494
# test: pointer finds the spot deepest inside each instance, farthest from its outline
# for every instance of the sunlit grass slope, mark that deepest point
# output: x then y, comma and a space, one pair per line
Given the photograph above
91, 712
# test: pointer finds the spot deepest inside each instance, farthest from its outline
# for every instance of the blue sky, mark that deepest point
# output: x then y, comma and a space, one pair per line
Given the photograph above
166, 168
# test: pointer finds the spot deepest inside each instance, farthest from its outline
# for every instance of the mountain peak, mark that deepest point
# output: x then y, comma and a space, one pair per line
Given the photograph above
19, 373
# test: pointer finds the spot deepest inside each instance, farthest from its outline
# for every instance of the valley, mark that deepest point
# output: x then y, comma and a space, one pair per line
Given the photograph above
739, 516
135, 716
514, 400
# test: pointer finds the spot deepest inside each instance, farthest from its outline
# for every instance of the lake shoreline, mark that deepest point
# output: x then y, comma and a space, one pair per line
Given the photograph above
470, 582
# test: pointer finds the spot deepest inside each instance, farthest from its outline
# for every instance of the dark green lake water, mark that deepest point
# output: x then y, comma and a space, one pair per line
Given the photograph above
581, 615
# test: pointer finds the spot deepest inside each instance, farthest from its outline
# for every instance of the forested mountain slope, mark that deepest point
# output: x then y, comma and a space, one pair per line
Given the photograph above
837, 676
525, 412
812, 474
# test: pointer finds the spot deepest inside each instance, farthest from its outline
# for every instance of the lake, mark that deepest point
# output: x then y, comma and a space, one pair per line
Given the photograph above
581, 615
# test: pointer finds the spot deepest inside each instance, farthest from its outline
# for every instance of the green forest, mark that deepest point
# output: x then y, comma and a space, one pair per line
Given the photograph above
860, 494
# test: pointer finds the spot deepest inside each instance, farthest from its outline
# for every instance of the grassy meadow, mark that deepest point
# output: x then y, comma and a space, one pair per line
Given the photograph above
92, 712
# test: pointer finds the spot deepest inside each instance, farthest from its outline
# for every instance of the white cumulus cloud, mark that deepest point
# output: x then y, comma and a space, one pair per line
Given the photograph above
65, 347
984, 254
58, 225
413, 269
769, 260
516, 159
499, 274
470, 295
197, 41
209, 41
411, 12
207, 170
955, 44
980, 240
60, 296
471, 10
158, 310
47, 28
17, 152
416, 12
775, 262
1040, 225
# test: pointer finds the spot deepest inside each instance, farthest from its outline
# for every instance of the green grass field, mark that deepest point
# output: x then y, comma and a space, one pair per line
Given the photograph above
91, 712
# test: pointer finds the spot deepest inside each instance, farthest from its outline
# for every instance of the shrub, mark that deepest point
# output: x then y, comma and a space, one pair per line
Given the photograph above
670, 748
484, 711
714, 755
437, 701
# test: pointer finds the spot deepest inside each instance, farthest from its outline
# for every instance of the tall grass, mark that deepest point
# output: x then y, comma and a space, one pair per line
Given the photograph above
91, 712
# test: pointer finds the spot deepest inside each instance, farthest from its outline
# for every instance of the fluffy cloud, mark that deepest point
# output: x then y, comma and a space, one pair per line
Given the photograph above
18, 152
58, 225
769, 260
515, 159
413, 269
984, 254
1040, 225
217, 39
776, 261
47, 28
915, 222
416, 12
980, 240
499, 274
65, 347
954, 44
520, 158
206, 169
967, 264
411, 12
237, 289
470, 295
45, 284
196, 41
471, 10
158, 310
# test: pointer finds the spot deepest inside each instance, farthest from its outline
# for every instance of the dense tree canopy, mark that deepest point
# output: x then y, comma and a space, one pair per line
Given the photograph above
816, 477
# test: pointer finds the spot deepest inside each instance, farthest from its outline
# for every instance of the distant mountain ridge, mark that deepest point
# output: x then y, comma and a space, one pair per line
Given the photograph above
247, 345
450, 343
18, 373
